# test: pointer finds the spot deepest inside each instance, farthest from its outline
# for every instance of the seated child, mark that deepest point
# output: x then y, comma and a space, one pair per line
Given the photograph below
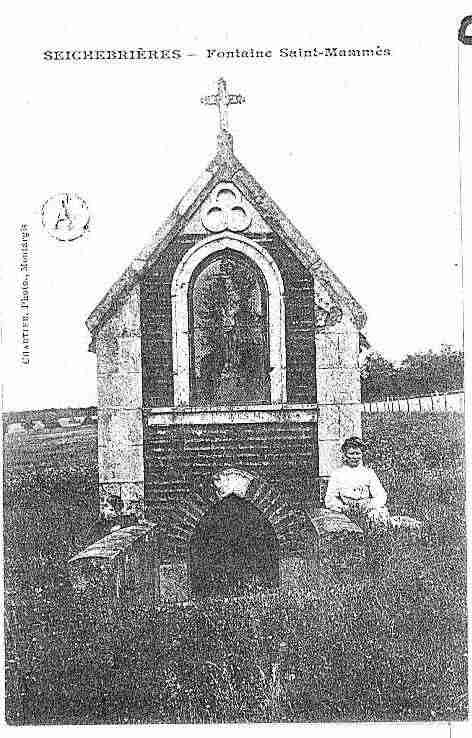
354, 488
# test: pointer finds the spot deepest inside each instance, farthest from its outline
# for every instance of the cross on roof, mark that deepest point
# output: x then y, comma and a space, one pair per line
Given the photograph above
223, 99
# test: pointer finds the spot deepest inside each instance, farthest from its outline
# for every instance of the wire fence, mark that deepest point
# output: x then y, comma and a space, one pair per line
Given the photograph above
448, 402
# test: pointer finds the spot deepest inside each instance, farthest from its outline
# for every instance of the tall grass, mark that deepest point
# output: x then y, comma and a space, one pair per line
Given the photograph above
390, 645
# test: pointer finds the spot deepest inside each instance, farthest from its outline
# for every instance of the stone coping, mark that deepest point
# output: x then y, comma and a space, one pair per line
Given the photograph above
327, 521
226, 414
115, 543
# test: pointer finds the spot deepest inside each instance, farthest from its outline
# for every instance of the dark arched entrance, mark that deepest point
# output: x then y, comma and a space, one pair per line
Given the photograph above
234, 550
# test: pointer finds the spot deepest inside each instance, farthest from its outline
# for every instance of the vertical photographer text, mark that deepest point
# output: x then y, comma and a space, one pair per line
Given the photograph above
24, 295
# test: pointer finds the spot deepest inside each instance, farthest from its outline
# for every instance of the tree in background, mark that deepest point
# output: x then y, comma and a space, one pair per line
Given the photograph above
423, 373
378, 378
430, 372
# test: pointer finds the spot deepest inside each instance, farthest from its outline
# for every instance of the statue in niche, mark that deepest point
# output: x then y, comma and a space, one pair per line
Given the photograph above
229, 335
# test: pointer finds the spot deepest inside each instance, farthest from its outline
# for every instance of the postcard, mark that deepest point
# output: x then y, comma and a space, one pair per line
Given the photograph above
233, 366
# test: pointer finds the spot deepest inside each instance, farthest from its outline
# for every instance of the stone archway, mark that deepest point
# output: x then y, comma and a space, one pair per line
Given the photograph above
233, 550
236, 504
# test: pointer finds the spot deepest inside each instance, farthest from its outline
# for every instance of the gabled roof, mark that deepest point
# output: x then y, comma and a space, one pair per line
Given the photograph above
224, 167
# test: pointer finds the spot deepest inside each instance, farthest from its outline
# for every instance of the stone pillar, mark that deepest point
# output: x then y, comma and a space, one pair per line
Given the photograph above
120, 424
338, 390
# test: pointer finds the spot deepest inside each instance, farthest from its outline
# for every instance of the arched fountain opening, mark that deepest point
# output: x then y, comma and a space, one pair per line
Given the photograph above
234, 550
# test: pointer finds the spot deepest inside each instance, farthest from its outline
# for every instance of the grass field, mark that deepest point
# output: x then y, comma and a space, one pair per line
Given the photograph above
388, 646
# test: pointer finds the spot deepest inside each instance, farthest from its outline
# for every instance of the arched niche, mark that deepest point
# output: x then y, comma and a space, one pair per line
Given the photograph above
267, 304
228, 332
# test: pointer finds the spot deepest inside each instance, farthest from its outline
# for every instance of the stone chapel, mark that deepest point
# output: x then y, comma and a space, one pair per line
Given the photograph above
228, 375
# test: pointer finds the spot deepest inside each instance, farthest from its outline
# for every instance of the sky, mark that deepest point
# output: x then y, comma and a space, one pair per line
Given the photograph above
360, 153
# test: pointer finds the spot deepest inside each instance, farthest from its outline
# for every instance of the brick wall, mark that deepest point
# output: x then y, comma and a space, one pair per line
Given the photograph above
177, 458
